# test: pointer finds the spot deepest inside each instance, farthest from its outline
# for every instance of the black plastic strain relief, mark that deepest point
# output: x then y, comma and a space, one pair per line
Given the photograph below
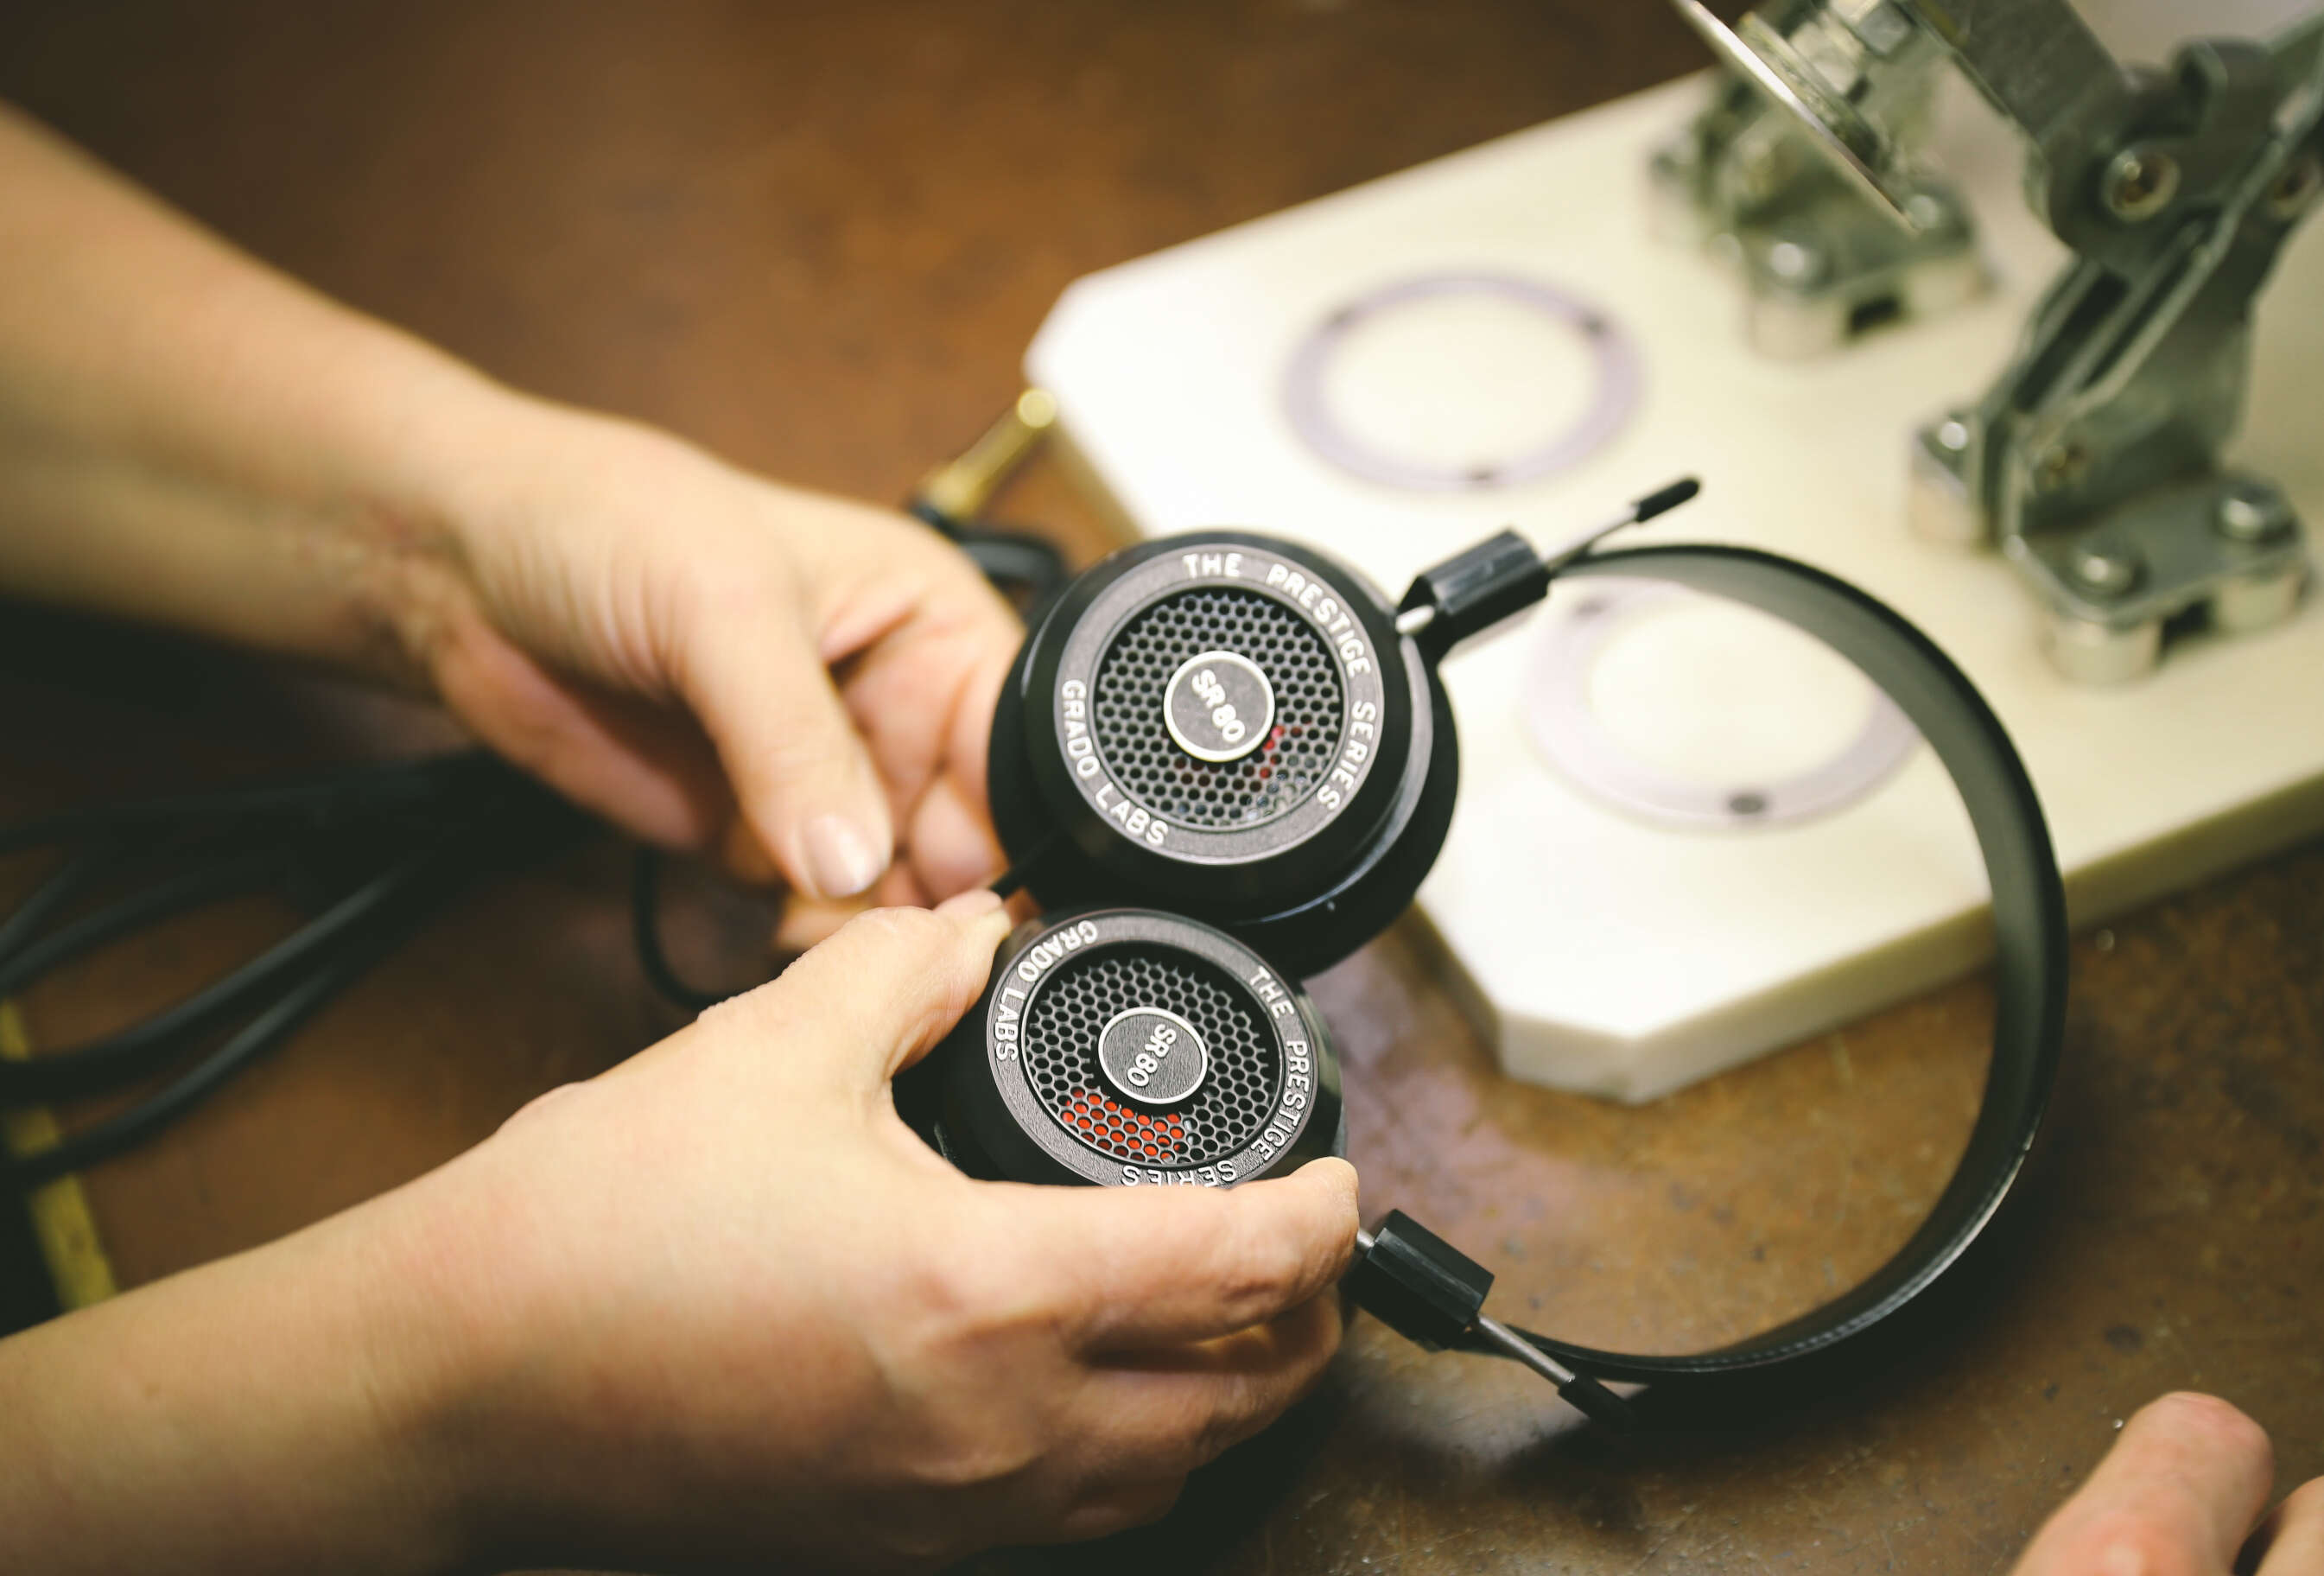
1475, 590
935, 518
1418, 1284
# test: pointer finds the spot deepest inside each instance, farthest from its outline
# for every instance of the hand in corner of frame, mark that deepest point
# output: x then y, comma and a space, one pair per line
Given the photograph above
2181, 1494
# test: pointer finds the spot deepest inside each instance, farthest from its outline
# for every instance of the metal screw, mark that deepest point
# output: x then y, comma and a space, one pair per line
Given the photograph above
2059, 466
2104, 568
2293, 186
2253, 513
1926, 211
1795, 261
2139, 183
1762, 168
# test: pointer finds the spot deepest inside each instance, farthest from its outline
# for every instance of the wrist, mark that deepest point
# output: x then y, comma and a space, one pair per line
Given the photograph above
427, 495
417, 1361
282, 1410
488, 1451
487, 524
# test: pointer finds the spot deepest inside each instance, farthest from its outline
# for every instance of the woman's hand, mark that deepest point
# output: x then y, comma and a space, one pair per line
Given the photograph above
716, 661
719, 662
736, 1309
718, 1305
2177, 1496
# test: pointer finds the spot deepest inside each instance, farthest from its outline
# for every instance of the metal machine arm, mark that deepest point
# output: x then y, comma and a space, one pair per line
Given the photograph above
2094, 460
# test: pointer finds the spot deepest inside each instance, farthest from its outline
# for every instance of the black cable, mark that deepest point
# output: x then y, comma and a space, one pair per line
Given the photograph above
337, 796
1028, 569
52, 897
374, 848
131, 1052
190, 890
104, 1139
1015, 559
645, 931
1012, 880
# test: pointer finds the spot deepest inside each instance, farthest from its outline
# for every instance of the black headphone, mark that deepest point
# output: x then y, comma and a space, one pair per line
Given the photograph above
1230, 728
1224, 761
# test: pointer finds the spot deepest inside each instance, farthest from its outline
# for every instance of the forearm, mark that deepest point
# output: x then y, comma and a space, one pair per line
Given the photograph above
277, 1411
191, 439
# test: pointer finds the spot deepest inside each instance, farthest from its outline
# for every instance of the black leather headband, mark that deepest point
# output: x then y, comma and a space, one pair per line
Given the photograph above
2029, 923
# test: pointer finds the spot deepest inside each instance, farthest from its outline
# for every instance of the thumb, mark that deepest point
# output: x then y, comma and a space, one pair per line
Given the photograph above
881, 990
800, 771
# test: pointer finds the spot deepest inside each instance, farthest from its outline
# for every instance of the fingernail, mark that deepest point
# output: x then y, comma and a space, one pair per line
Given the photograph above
841, 862
968, 904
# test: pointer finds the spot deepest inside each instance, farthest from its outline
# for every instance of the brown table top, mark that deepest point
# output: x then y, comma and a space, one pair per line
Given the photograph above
818, 239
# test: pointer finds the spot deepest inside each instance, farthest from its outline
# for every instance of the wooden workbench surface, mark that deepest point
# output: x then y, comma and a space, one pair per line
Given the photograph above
818, 238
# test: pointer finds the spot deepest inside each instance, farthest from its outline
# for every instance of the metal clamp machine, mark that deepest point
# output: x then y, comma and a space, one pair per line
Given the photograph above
1682, 838
2094, 460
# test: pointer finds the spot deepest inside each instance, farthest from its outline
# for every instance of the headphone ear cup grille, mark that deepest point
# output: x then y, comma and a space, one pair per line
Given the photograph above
1134, 740
1060, 1043
1114, 778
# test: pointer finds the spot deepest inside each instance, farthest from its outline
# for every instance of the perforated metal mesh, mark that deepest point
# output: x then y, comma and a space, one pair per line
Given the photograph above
1060, 1056
1217, 796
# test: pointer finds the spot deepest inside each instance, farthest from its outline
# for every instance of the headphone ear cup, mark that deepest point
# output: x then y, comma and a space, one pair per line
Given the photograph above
1009, 786
1228, 727
1127, 1047
1052, 866
1380, 881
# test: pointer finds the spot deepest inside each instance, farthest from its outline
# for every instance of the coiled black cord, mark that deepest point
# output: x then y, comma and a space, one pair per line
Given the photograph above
370, 852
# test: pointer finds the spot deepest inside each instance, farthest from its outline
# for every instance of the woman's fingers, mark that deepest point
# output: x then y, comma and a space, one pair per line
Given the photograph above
882, 991
1136, 1269
950, 843
1177, 1408
905, 687
972, 735
2290, 1540
808, 922
1116, 1507
1135, 1429
748, 666
2178, 1492
646, 768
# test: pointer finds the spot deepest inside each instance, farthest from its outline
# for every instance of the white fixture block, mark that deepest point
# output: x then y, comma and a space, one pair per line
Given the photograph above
1607, 954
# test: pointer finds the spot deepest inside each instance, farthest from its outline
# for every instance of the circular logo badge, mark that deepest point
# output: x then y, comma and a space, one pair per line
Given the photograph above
1219, 706
1152, 1056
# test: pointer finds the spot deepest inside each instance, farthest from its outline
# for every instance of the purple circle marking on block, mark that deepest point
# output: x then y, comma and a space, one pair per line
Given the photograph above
1615, 395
